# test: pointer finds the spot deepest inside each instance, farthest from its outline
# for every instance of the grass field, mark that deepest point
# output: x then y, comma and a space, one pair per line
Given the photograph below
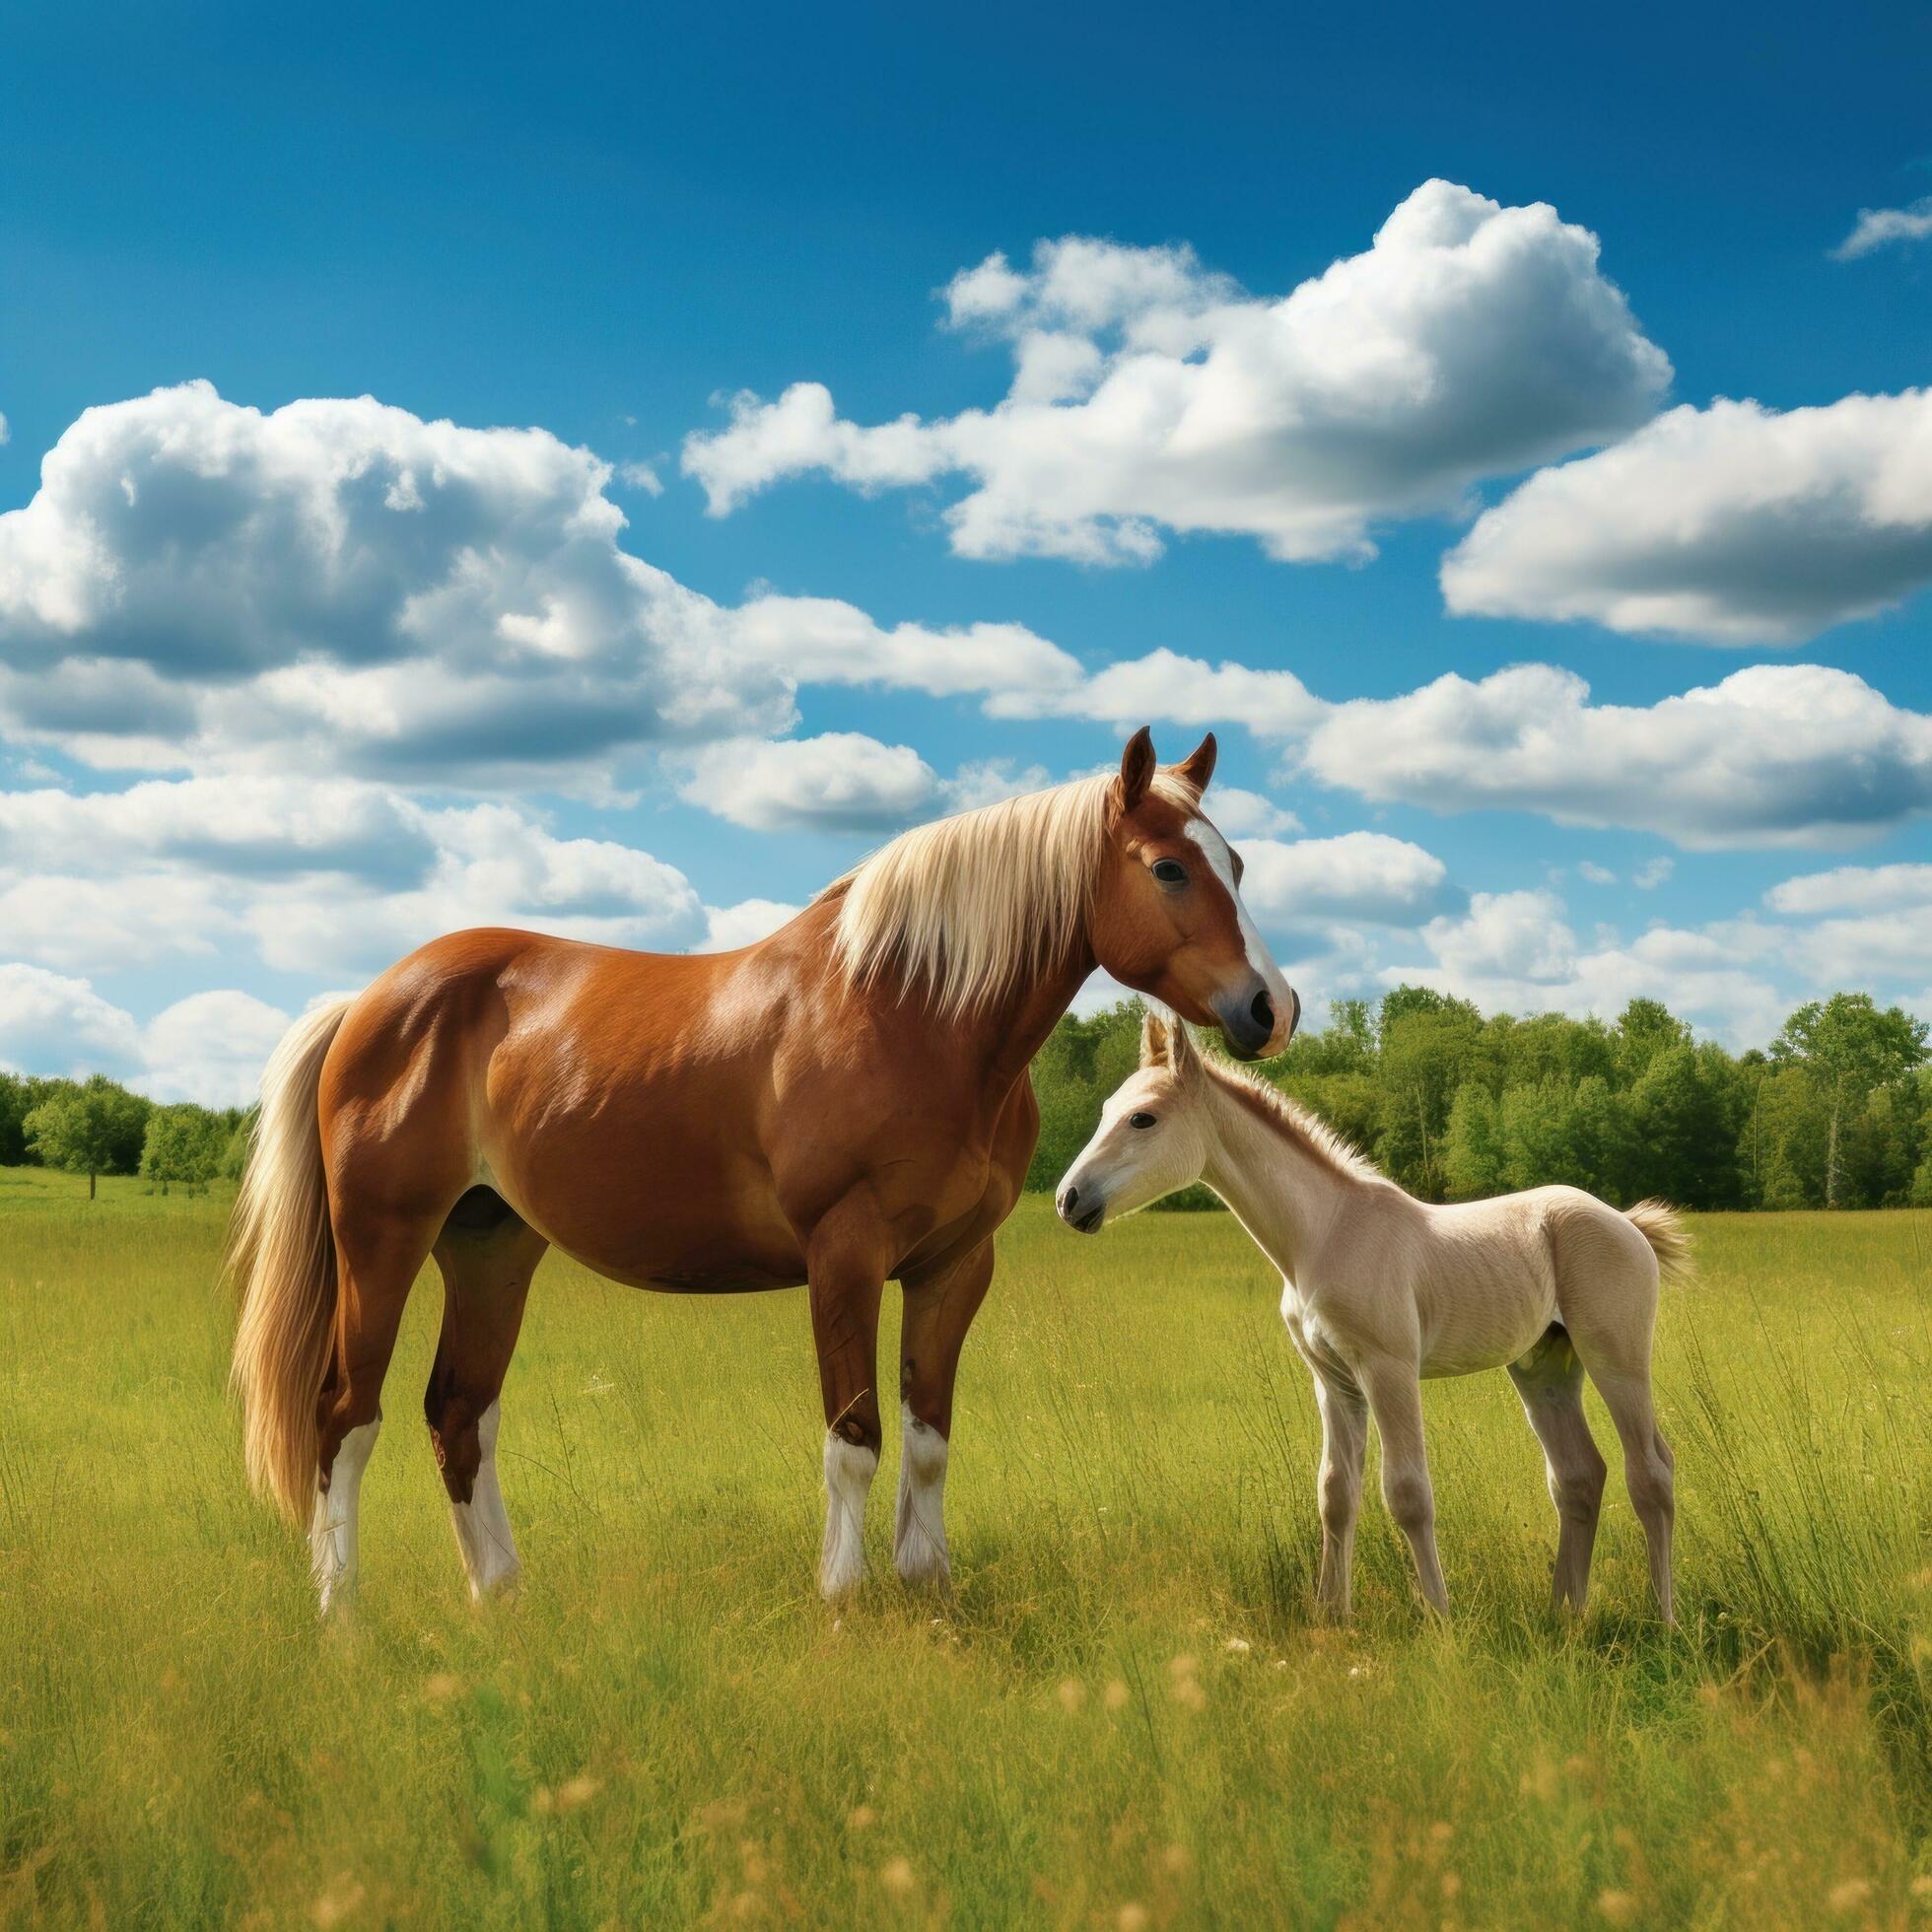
1123, 1717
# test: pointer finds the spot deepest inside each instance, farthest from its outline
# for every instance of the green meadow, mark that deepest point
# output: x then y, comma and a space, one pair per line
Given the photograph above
1124, 1716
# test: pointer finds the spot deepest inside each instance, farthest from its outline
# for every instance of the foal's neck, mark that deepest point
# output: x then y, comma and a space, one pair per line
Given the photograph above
1281, 1188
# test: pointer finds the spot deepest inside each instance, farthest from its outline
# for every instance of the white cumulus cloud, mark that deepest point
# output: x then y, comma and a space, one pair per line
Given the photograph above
841, 782
1883, 227
1148, 395
340, 586
1732, 524
1779, 754
1854, 889
209, 1047
729, 927
337, 876
1360, 875
1516, 952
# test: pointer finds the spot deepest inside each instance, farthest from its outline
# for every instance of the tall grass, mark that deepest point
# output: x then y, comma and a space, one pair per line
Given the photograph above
1124, 1716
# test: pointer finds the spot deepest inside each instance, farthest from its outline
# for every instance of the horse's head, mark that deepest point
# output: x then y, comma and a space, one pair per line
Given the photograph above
1167, 916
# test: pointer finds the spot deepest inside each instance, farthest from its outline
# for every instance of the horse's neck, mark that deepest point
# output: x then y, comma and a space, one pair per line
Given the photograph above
1279, 1188
1013, 1029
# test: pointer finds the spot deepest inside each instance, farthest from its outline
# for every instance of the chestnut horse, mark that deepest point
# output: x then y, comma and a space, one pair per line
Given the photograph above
844, 1102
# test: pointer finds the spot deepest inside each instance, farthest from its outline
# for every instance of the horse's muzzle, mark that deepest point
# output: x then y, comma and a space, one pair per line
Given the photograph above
1083, 1212
1249, 1023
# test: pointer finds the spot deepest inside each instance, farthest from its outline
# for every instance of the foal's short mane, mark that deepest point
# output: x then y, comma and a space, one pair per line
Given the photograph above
969, 907
1295, 1122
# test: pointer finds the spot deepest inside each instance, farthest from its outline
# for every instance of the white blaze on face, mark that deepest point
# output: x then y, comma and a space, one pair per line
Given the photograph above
1221, 861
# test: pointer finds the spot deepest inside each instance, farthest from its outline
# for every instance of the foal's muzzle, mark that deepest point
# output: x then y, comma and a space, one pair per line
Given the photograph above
1248, 1019
1082, 1213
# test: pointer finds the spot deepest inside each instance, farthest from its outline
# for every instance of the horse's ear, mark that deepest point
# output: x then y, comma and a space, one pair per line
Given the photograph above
1136, 768
1198, 767
1157, 1038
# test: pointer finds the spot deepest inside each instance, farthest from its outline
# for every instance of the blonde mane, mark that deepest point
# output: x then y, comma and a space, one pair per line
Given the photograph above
1294, 1121
969, 907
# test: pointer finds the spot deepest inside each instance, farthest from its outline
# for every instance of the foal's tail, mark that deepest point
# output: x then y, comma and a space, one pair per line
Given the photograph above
1663, 1227
281, 1254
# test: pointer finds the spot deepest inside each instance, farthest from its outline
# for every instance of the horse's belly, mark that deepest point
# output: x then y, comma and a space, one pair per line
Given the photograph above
721, 1233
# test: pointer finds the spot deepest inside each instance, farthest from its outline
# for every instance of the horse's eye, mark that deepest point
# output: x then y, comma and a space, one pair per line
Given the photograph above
1139, 1119
1170, 872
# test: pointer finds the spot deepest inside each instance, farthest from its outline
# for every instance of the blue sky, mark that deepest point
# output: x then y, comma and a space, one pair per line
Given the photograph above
1291, 311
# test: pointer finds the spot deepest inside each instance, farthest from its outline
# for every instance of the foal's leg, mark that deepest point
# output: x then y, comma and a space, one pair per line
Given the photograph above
847, 1259
1345, 1435
487, 1256
1395, 1400
1648, 1466
377, 1253
1549, 1381
939, 1310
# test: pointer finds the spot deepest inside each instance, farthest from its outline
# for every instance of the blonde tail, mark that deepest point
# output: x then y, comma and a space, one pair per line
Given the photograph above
1661, 1225
281, 1255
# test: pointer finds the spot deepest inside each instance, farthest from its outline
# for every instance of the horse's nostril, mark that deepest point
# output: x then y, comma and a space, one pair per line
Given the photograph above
1068, 1199
1264, 1012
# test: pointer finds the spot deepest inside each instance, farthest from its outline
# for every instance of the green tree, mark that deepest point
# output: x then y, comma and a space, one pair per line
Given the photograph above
1429, 1045
1537, 1137
1600, 1139
183, 1148
1847, 1047
1644, 1029
16, 1099
93, 1128
1683, 1137
1474, 1160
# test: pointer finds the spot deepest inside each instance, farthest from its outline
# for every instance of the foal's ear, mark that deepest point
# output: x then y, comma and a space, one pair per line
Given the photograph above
1136, 768
1157, 1038
1167, 1042
1198, 767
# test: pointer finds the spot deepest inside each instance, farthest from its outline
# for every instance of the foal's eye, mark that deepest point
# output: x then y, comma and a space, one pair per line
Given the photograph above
1170, 872
1139, 1119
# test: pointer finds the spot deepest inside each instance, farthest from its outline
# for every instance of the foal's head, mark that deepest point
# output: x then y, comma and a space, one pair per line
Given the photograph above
1153, 1137
1167, 915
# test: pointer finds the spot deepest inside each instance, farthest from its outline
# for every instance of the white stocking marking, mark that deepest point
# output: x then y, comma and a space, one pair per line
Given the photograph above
332, 1530
919, 1545
482, 1524
849, 1473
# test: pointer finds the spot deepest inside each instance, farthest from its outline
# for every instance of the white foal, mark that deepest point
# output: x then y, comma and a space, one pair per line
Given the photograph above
1380, 1289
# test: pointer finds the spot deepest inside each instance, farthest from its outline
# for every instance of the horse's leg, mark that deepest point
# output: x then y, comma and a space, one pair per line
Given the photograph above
1549, 1381
846, 1261
939, 1310
1395, 1400
1345, 1435
487, 1256
377, 1253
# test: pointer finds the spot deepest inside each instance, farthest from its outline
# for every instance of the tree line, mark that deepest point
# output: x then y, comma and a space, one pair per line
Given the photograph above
1835, 1112
97, 1127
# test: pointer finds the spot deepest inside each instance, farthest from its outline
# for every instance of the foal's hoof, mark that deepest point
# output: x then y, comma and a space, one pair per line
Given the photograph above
839, 1583
925, 1570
